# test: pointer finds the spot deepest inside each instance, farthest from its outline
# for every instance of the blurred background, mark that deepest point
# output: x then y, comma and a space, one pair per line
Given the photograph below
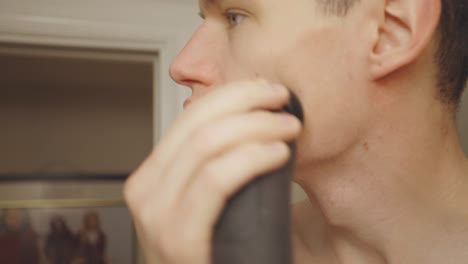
84, 85
84, 93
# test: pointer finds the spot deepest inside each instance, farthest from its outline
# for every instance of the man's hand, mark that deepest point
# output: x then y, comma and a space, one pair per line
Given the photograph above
220, 143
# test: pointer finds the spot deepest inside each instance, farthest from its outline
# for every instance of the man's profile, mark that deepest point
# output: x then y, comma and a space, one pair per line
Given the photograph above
378, 154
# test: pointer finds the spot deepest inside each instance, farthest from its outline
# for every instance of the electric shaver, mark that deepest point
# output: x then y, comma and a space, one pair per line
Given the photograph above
254, 227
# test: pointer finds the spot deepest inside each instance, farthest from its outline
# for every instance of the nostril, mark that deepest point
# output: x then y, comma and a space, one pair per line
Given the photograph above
188, 83
183, 75
189, 70
175, 73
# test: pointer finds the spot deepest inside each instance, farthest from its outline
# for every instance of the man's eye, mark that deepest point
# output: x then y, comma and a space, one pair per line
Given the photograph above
234, 19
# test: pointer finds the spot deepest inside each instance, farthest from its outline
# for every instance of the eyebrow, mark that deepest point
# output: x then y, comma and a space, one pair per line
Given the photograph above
208, 3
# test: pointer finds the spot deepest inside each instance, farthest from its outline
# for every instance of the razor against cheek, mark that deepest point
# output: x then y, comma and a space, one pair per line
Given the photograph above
254, 227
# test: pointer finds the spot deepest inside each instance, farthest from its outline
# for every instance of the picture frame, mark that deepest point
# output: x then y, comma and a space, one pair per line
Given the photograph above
66, 219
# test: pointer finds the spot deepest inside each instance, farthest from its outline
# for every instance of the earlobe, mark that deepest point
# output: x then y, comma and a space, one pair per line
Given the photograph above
406, 30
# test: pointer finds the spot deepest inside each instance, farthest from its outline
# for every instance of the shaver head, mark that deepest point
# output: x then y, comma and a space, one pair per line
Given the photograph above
294, 107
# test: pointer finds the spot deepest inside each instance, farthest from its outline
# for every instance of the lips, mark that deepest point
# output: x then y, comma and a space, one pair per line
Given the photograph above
193, 97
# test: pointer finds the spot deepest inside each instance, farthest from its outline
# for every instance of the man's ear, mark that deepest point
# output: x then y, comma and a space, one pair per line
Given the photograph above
404, 32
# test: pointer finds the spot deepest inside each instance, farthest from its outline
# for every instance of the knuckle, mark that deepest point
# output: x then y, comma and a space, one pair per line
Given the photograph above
216, 183
150, 216
213, 181
134, 183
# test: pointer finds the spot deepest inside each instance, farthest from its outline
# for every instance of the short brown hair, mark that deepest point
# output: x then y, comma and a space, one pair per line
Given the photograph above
452, 54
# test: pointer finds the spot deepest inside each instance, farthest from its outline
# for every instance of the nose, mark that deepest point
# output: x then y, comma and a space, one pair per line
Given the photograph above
199, 63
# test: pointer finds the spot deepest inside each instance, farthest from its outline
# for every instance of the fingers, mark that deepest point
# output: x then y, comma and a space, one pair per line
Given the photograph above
231, 99
220, 143
193, 215
218, 138
221, 178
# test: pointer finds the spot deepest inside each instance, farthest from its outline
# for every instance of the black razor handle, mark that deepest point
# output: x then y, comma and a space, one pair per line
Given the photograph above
254, 227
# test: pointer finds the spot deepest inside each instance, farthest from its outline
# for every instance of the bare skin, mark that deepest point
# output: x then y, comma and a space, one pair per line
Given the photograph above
378, 154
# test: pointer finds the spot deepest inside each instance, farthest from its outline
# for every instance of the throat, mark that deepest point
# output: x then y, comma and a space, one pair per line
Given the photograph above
391, 213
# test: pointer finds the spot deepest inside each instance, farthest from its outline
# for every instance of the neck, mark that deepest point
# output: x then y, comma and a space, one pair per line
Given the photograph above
400, 194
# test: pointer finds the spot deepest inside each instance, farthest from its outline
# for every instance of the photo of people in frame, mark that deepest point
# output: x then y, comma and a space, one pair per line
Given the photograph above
102, 235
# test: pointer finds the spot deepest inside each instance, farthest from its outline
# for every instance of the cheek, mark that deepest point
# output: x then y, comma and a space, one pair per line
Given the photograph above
330, 84
324, 72
256, 53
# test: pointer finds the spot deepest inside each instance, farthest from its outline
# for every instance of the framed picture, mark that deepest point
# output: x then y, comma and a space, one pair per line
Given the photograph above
72, 219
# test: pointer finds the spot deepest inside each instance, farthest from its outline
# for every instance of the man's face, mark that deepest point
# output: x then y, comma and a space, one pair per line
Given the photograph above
321, 57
